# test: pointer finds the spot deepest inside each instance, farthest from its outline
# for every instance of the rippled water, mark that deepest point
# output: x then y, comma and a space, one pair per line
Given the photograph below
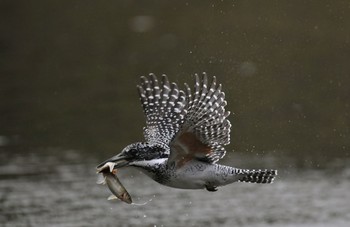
44, 190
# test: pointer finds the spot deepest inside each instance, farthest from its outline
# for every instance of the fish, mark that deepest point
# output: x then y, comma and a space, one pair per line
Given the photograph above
114, 185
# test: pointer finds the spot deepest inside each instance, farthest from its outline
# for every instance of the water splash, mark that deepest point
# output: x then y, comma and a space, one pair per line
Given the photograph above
144, 203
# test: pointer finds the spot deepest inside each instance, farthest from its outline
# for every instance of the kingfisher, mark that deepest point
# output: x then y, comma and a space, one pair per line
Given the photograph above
185, 135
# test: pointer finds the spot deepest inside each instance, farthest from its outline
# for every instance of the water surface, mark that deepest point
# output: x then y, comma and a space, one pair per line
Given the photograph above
59, 189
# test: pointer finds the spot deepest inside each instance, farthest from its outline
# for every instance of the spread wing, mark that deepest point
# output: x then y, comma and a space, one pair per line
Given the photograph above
164, 105
205, 129
193, 126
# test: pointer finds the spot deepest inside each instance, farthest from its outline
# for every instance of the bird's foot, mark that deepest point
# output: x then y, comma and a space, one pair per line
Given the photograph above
211, 188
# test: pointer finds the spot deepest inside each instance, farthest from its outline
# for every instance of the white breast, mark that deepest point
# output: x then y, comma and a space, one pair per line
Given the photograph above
196, 175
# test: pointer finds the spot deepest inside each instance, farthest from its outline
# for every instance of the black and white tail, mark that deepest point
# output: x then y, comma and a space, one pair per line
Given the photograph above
258, 176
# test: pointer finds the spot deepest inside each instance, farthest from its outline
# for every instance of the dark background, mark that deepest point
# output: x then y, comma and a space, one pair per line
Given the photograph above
69, 71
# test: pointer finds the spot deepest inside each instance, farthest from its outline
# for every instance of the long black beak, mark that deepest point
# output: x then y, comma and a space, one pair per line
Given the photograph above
115, 162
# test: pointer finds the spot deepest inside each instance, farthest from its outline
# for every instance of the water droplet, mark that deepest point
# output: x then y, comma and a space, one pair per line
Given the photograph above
142, 23
248, 68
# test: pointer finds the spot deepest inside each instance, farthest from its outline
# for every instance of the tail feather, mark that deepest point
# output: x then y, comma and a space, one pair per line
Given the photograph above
258, 176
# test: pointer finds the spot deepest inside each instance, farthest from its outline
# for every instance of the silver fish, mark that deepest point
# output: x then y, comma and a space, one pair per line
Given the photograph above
113, 183
116, 187
107, 166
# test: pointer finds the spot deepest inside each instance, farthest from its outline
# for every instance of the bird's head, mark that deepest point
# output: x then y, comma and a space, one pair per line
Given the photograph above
136, 154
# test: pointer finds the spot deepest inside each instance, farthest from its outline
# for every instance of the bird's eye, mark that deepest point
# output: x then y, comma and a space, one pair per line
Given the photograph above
132, 152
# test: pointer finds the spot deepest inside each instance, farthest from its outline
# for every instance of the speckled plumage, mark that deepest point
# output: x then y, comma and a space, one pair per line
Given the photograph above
185, 136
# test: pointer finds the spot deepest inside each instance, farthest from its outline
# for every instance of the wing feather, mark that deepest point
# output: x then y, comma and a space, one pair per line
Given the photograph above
192, 125
164, 107
206, 121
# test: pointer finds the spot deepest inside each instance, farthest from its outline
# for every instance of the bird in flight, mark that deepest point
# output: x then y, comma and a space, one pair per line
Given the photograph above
185, 135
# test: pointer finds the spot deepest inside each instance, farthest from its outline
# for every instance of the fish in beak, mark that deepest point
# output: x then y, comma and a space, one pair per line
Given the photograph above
116, 187
108, 169
115, 162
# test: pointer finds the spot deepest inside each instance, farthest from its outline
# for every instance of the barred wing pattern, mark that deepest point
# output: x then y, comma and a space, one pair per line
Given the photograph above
206, 128
191, 125
164, 106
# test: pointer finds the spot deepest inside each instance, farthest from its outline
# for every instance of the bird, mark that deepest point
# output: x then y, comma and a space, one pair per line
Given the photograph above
185, 136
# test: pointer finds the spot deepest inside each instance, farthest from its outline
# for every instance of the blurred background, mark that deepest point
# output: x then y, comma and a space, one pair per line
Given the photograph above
68, 100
